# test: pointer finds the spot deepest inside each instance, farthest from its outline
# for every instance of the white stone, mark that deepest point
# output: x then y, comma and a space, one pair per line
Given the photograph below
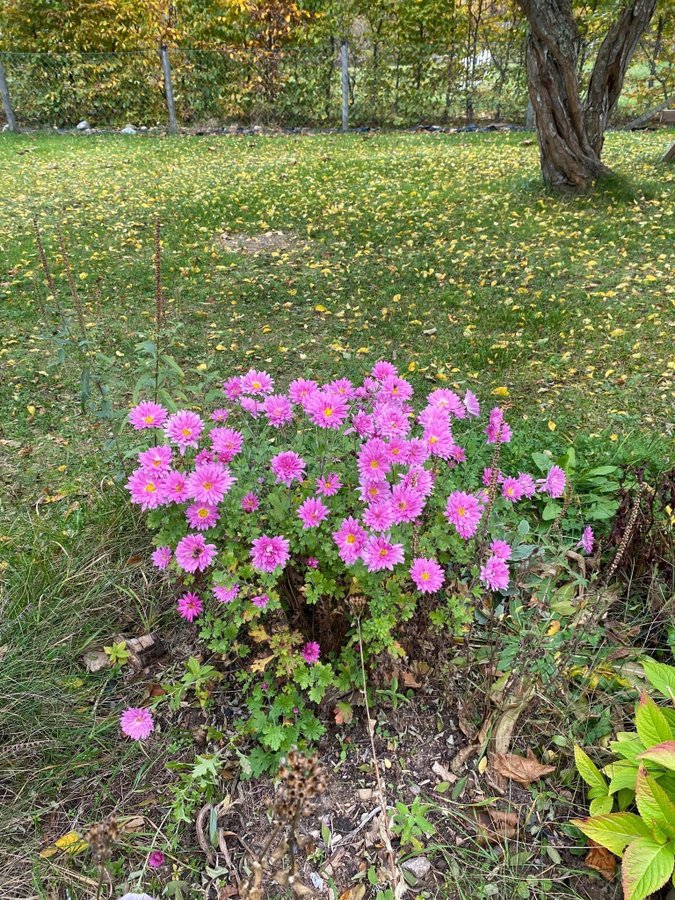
83, 125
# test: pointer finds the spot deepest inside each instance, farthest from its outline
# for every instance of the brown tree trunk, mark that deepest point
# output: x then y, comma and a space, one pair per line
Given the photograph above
570, 131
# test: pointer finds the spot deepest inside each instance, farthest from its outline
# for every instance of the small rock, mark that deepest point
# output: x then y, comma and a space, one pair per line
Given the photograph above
95, 660
317, 881
137, 897
419, 866
128, 129
83, 125
143, 128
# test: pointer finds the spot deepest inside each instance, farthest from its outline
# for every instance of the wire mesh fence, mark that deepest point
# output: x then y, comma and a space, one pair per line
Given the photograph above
293, 88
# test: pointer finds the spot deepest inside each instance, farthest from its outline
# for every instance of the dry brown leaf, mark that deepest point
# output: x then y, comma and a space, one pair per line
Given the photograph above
523, 769
95, 660
354, 893
410, 681
463, 756
496, 826
443, 772
600, 859
261, 664
508, 716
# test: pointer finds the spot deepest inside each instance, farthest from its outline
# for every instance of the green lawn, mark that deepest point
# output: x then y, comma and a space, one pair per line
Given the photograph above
443, 253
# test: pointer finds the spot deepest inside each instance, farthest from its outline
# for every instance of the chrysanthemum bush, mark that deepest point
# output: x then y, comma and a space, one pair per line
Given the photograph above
303, 527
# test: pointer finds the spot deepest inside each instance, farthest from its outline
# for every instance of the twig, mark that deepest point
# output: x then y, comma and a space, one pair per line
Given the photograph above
386, 831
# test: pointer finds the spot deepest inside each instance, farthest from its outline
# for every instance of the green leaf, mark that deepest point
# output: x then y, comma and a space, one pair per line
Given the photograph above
601, 806
654, 804
661, 677
614, 831
602, 470
652, 726
589, 771
663, 754
628, 745
551, 510
647, 865
622, 774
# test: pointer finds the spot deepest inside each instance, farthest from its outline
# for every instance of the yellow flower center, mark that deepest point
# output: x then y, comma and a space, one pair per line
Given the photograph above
207, 485
203, 513
351, 538
186, 432
328, 411
257, 385
157, 463
461, 512
148, 419
509, 491
374, 464
433, 439
425, 576
150, 488
383, 551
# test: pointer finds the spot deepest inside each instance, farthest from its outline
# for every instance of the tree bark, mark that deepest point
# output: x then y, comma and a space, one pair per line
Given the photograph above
570, 131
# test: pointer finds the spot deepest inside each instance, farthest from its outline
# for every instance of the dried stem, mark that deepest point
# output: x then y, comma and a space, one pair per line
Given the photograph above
386, 831
77, 303
43, 259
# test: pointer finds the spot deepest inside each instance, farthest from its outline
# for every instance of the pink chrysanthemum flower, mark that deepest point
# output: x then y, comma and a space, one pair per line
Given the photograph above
419, 479
210, 482
417, 452
202, 516
397, 448
261, 601
184, 429
327, 409
328, 485
232, 388
301, 390
161, 558
396, 388
312, 562
251, 406
391, 421
440, 442
311, 652
278, 409
434, 418
269, 553
383, 369
226, 594
220, 415
379, 516
174, 487
147, 415
250, 502
204, 456
527, 485
194, 554
137, 723
464, 511
443, 398
457, 454
497, 429
587, 540
487, 477
374, 460
379, 553
288, 467
254, 382
312, 512
156, 459
554, 483
350, 540
189, 606
146, 489
226, 442
363, 424
427, 575
156, 859
471, 404
500, 549
512, 489
343, 387
372, 491
495, 574
407, 503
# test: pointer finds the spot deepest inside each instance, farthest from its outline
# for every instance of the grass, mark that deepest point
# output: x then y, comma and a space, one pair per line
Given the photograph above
441, 252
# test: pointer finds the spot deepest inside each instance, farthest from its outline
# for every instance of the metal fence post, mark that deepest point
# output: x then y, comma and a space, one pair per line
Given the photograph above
344, 61
6, 102
168, 87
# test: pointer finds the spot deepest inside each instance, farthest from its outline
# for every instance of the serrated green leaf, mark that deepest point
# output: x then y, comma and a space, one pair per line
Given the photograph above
652, 726
663, 754
614, 831
589, 771
661, 677
647, 866
655, 806
622, 774
601, 806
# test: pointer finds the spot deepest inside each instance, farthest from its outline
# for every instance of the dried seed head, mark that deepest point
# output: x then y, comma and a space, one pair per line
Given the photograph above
102, 837
301, 779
